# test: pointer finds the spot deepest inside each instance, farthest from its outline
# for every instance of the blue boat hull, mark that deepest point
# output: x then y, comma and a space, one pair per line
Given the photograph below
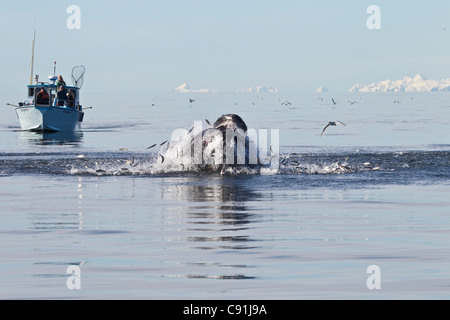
34, 118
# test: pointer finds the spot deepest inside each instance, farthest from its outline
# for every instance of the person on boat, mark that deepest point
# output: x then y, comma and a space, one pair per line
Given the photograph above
42, 96
70, 99
61, 95
60, 83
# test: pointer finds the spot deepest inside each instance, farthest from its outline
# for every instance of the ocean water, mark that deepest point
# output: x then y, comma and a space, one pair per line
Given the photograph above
372, 193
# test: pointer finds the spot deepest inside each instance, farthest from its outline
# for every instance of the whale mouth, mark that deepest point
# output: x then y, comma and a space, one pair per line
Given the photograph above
230, 122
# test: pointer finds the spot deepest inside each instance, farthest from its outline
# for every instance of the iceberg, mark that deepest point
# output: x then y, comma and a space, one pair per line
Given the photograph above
259, 89
322, 89
184, 88
418, 83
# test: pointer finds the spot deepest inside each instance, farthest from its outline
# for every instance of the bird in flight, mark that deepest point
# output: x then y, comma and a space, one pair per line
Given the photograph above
332, 123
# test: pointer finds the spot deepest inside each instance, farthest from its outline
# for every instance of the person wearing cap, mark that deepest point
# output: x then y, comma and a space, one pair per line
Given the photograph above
60, 83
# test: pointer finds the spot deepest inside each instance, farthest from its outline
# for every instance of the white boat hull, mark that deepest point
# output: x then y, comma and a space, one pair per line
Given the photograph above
34, 118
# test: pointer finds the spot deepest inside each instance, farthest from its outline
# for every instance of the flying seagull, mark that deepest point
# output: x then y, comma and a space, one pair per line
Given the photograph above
332, 123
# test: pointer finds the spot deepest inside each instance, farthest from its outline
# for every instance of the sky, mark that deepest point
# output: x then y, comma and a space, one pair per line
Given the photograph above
155, 46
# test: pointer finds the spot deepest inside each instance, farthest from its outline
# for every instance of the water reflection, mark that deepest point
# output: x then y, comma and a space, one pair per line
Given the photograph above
216, 217
213, 201
52, 138
55, 217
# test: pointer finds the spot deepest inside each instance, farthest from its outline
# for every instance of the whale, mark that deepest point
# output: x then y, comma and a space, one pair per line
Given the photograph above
225, 146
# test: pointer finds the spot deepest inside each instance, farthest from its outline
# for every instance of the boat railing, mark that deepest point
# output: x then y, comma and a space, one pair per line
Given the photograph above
58, 103
69, 103
43, 102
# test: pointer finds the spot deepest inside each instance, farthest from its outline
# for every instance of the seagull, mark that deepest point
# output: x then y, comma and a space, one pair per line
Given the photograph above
130, 162
332, 123
151, 146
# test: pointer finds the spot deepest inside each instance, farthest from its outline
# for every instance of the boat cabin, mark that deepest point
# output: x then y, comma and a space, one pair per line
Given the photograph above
45, 95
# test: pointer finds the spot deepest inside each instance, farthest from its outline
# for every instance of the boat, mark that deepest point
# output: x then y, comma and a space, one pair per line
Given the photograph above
51, 112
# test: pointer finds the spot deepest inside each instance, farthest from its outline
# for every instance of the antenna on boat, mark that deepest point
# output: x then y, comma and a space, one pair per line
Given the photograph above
54, 77
32, 56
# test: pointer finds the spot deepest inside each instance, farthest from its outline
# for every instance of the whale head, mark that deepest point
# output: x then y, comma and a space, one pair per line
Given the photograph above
230, 122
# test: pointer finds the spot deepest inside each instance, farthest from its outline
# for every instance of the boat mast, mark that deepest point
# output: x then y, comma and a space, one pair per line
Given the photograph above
32, 58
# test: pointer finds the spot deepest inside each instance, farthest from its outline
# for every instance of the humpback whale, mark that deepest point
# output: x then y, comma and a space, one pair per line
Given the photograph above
225, 145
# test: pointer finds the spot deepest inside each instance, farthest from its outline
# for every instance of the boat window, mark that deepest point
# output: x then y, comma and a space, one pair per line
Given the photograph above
42, 96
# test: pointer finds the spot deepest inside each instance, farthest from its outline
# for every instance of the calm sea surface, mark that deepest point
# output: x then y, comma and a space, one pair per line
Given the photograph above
372, 193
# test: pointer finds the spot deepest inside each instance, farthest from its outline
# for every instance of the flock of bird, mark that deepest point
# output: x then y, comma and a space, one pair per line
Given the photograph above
330, 123
284, 103
288, 103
